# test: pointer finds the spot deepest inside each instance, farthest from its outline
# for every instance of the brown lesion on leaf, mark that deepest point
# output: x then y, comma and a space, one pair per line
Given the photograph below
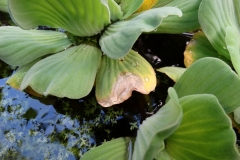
188, 53
122, 89
30, 91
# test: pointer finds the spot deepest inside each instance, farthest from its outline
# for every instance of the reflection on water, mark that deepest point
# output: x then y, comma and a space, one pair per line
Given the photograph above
30, 129
21, 138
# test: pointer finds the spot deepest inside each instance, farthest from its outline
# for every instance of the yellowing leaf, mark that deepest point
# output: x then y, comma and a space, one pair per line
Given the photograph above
147, 4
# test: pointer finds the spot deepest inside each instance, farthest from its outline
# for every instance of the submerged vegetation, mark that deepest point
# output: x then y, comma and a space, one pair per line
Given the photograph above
90, 52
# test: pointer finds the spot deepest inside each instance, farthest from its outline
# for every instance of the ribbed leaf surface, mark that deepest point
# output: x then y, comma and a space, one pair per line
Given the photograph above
16, 79
157, 128
115, 10
118, 38
200, 47
70, 73
130, 6
211, 76
19, 47
3, 6
117, 149
161, 3
186, 23
215, 16
80, 17
205, 131
116, 79
233, 46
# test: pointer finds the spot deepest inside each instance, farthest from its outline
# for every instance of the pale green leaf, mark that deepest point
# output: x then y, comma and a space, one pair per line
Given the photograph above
211, 76
130, 6
115, 10
155, 129
205, 131
16, 79
161, 3
237, 9
200, 47
79, 17
233, 46
237, 115
215, 16
173, 72
116, 79
117, 149
163, 155
188, 22
19, 47
118, 38
70, 73
3, 6
118, 1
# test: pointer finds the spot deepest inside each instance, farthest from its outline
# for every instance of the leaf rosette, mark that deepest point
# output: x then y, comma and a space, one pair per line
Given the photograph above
65, 60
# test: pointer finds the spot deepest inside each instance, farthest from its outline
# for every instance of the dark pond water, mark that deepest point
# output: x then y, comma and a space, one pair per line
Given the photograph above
54, 128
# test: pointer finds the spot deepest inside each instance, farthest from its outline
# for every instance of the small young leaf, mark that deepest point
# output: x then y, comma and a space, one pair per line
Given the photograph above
173, 72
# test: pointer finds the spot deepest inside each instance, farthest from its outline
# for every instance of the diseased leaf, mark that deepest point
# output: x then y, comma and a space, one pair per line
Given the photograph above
155, 129
19, 47
116, 79
200, 47
118, 38
16, 79
205, 131
146, 5
65, 74
79, 17
211, 76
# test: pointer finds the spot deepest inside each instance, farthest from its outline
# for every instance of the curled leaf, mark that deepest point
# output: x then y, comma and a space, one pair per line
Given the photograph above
118, 39
116, 79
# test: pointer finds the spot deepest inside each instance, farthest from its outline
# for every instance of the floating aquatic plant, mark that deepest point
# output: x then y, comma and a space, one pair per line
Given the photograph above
91, 44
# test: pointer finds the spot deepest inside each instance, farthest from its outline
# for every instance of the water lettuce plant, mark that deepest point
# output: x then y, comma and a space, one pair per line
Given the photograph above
90, 45
193, 124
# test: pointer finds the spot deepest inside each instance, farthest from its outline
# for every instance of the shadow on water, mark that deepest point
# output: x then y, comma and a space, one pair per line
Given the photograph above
54, 128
